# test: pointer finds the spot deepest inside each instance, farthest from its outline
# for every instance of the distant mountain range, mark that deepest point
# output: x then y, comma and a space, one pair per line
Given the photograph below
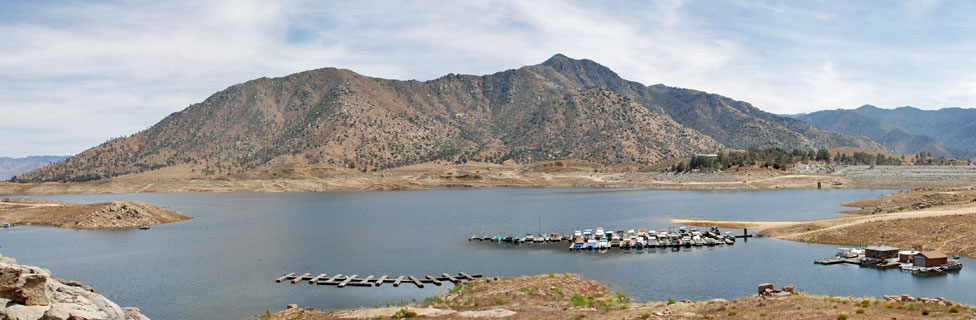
561, 109
10, 167
949, 132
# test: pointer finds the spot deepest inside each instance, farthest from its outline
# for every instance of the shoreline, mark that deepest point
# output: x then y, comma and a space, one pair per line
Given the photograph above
556, 174
928, 228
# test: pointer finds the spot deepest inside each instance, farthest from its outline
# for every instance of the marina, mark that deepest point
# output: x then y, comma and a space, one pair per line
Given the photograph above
341, 281
885, 257
588, 240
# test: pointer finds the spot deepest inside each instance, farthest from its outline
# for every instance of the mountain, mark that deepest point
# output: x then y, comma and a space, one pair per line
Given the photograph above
10, 167
560, 109
949, 132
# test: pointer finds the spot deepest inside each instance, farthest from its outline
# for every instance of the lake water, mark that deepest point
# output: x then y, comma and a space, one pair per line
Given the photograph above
222, 264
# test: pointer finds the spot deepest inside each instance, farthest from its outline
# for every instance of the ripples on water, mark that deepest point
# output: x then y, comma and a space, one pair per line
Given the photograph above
222, 263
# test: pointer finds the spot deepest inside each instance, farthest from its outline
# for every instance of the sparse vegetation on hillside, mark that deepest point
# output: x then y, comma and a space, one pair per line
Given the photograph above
561, 109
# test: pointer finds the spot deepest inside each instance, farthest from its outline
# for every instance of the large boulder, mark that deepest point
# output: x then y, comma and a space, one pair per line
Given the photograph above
764, 286
30, 293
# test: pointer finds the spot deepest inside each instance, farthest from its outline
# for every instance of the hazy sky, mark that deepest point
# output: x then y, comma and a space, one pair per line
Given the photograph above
74, 74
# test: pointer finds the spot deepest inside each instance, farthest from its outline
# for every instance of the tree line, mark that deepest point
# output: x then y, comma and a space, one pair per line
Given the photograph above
778, 159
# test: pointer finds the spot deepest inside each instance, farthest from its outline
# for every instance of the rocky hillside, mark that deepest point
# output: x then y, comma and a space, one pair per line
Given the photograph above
560, 109
949, 132
28, 292
11, 167
107, 215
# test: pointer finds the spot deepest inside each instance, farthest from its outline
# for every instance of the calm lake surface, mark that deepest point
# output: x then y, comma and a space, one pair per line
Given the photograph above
222, 264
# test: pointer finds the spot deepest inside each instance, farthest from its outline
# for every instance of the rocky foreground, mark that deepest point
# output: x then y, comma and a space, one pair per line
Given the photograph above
106, 215
31, 293
566, 296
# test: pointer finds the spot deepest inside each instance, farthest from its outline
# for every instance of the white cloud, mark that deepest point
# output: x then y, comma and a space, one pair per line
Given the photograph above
74, 74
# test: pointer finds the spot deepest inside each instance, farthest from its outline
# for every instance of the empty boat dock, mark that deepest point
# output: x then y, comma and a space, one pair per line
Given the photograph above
341, 281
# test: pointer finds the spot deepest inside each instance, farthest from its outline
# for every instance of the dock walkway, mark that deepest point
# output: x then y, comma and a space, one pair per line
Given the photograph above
341, 281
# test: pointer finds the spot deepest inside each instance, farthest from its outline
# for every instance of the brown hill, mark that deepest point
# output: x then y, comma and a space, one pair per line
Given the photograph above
561, 109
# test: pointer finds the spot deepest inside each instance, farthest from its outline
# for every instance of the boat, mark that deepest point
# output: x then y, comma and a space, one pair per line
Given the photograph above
697, 241
642, 233
528, 238
604, 244
590, 244
578, 243
587, 234
599, 233
639, 242
652, 242
145, 227
555, 237
729, 241
577, 234
627, 243
686, 241
729, 236
540, 239
615, 241
710, 242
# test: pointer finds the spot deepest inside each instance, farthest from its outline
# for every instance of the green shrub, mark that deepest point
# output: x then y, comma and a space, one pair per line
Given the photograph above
842, 317
578, 300
497, 300
435, 299
621, 297
954, 309
732, 313
859, 310
404, 314
865, 303
671, 301
925, 312
645, 315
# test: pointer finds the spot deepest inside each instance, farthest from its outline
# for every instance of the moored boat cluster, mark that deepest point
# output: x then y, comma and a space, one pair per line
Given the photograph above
601, 239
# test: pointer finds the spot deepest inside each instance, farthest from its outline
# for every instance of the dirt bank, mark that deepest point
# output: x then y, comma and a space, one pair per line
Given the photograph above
551, 174
106, 215
949, 228
564, 296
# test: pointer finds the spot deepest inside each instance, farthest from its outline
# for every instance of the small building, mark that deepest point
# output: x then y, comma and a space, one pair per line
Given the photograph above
907, 256
930, 259
881, 252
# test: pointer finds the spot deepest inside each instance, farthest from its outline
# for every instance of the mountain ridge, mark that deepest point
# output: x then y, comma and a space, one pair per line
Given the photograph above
337, 117
947, 132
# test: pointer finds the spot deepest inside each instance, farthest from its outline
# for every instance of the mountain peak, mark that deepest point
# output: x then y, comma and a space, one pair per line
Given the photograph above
557, 59
868, 107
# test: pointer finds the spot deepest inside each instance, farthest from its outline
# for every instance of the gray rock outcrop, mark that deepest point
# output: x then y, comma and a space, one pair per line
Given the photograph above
30, 293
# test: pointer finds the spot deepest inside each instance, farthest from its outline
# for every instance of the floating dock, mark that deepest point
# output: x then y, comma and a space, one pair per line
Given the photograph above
341, 281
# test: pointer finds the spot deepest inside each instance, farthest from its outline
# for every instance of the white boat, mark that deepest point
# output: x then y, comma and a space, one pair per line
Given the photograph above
540, 238
697, 241
686, 241
577, 234
588, 234
599, 233
528, 238
652, 242
639, 242
604, 244
615, 241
